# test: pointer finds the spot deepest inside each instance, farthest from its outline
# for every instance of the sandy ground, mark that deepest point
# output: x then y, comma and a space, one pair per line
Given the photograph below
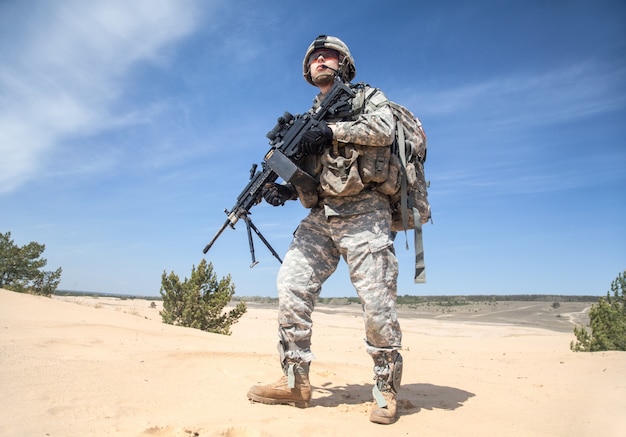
108, 367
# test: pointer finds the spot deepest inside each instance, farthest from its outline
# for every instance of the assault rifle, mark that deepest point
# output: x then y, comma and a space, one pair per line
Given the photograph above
282, 161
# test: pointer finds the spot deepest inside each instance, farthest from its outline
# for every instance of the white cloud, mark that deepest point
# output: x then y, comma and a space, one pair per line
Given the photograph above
64, 69
551, 96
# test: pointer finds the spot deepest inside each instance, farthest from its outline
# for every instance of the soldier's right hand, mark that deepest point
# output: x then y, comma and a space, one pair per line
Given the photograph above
316, 139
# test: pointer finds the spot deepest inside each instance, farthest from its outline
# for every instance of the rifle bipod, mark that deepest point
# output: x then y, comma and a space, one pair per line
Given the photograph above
250, 227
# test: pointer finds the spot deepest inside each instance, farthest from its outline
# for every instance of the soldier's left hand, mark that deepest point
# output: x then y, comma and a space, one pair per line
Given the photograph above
276, 194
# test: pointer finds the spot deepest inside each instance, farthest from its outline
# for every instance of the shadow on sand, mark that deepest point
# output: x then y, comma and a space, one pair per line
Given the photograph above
411, 398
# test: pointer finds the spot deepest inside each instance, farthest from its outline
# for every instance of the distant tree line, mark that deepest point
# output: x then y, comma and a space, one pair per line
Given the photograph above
402, 300
460, 299
97, 294
441, 300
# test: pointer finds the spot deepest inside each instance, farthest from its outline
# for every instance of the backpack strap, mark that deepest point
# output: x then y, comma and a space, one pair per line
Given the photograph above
420, 268
406, 203
366, 96
403, 182
418, 241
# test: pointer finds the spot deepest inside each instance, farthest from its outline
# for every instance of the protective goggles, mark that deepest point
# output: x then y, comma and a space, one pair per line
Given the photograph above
324, 53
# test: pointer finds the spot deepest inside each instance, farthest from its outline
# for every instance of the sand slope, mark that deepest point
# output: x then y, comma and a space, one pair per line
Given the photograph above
109, 367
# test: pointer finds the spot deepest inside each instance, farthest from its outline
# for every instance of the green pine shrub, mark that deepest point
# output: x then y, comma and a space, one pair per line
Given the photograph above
607, 322
21, 268
198, 302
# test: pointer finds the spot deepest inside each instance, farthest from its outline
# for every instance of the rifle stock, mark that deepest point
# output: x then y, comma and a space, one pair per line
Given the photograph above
282, 160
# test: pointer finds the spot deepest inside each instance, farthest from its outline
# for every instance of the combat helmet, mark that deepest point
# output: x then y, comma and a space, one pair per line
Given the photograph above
347, 70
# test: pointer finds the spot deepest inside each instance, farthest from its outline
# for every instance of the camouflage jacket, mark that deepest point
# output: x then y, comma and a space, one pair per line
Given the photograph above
372, 124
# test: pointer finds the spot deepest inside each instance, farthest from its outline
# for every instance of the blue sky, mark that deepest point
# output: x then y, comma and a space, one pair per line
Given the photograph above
126, 128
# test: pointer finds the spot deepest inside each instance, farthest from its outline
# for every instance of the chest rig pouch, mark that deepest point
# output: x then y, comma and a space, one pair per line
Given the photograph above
340, 171
348, 168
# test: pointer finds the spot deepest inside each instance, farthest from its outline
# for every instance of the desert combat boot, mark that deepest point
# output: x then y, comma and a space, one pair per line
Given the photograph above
387, 414
292, 389
388, 375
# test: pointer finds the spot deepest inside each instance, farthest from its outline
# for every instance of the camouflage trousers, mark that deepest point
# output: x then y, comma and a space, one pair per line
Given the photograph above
364, 242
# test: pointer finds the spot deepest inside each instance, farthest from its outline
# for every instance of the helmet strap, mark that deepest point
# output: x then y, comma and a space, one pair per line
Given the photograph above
342, 71
324, 79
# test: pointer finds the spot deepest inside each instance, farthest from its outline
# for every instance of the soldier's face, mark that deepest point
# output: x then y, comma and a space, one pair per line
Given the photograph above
322, 63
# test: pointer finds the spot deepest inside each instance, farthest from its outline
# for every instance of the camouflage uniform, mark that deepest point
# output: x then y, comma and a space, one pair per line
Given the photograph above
350, 218
356, 228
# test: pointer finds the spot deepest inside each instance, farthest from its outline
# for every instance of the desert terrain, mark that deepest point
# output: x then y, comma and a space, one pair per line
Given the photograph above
86, 366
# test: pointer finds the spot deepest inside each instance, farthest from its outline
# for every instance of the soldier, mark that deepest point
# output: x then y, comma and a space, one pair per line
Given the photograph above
350, 219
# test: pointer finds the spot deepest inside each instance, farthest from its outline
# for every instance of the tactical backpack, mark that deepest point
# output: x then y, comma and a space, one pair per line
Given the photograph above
409, 201
409, 206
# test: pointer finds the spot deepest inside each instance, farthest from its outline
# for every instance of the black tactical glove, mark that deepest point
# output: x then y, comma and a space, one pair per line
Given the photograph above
277, 194
315, 139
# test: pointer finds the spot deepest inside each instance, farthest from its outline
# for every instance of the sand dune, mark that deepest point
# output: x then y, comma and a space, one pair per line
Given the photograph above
109, 367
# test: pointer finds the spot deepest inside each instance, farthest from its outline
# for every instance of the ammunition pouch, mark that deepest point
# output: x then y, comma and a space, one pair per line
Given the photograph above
391, 185
340, 172
304, 184
346, 171
374, 164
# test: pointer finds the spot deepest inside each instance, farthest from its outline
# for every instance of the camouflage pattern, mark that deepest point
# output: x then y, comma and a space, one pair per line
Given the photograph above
363, 240
374, 126
356, 228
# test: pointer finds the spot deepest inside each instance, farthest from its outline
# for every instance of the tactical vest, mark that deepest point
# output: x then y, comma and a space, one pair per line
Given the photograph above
347, 169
